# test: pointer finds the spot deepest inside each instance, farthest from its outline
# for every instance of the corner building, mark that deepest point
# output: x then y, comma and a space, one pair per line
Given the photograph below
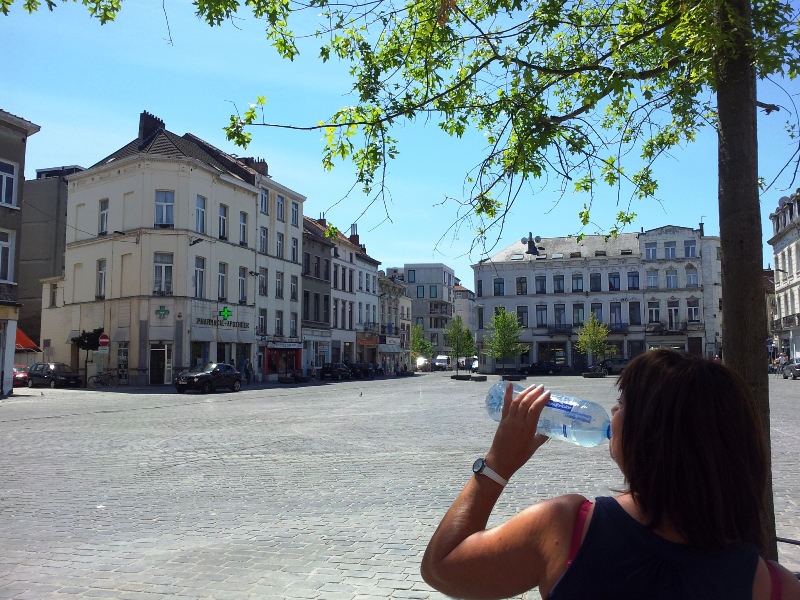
183, 254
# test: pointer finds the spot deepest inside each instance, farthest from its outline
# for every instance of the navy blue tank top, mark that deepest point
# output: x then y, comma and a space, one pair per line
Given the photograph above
621, 559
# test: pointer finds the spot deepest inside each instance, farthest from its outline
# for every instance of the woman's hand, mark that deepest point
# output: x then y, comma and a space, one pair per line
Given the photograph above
516, 439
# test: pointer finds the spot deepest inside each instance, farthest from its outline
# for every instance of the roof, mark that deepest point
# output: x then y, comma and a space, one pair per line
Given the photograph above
316, 230
30, 128
564, 247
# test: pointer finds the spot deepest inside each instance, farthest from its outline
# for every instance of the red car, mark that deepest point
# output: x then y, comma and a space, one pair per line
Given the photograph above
20, 375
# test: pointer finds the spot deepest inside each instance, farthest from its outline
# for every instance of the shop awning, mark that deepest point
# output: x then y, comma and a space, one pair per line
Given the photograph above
390, 348
24, 343
122, 334
227, 335
246, 337
161, 333
202, 334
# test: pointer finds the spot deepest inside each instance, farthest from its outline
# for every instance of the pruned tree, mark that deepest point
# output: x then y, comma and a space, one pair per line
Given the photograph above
420, 347
459, 337
592, 338
502, 336
90, 342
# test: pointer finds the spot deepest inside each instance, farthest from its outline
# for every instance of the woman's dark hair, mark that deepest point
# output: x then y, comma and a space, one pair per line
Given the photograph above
693, 451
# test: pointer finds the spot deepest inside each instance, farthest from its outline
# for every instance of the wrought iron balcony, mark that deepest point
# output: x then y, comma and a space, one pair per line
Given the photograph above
559, 328
790, 321
617, 327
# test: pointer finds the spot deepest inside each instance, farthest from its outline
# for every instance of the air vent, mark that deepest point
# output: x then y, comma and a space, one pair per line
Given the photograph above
624, 252
558, 255
574, 254
517, 256
599, 252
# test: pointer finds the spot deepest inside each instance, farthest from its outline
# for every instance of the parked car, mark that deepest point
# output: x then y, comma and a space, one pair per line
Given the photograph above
791, 369
53, 374
615, 365
441, 363
335, 371
544, 367
20, 375
209, 377
361, 370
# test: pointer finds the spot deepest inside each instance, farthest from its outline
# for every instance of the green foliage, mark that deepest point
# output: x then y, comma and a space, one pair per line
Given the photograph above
419, 345
592, 337
459, 338
88, 340
502, 336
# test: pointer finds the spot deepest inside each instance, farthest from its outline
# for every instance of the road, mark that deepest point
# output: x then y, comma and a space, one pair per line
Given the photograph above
326, 491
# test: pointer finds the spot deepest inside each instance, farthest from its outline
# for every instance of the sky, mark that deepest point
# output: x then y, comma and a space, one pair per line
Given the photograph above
85, 85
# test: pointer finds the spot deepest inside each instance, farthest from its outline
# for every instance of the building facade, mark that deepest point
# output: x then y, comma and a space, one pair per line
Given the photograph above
395, 323
317, 253
184, 255
785, 244
366, 304
14, 134
464, 306
647, 294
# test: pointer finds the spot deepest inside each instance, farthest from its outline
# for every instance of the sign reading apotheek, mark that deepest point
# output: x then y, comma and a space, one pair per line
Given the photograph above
225, 313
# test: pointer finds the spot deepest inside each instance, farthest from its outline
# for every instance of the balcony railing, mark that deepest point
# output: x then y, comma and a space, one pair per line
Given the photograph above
617, 327
369, 326
559, 328
790, 321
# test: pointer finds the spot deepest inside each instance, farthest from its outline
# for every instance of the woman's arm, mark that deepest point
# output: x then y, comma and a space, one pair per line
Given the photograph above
465, 560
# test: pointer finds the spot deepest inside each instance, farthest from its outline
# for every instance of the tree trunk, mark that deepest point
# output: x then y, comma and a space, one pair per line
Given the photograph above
744, 314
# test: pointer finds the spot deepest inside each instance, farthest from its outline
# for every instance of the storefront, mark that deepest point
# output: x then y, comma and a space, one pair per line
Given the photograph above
390, 353
367, 346
282, 356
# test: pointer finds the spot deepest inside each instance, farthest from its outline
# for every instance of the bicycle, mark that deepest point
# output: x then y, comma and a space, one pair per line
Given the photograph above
103, 379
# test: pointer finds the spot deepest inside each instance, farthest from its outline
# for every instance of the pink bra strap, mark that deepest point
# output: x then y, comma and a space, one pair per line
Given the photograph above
775, 579
577, 529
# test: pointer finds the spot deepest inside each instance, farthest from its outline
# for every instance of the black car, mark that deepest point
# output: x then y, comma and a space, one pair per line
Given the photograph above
791, 369
362, 370
544, 367
53, 375
335, 371
209, 377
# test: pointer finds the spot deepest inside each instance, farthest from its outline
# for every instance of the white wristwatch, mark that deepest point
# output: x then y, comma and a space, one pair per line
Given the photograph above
479, 467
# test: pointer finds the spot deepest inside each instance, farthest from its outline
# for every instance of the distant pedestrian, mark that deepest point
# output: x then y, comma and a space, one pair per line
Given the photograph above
248, 371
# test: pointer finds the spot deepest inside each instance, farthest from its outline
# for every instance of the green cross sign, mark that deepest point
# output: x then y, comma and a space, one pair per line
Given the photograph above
162, 312
225, 313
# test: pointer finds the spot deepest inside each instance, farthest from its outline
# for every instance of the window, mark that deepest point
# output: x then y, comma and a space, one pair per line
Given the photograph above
243, 229
522, 286
652, 279
222, 283
279, 246
653, 313
199, 276
335, 309
480, 317
522, 316
53, 295
293, 287
435, 339
577, 314
421, 320
577, 282
296, 249
412, 276
101, 279
293, 324
499, 286
350, 315
669, 250
263, 278
8, 183
650, 251
615, 316
223, 222
672, 279
265, 201
594, 282
691, 278
278, 322
344, 281
597, 311
326, 270
559, 312
102, 225
263, 240
316, 308
295, 214
162, 273
633, 280
262, 321
541, 315
307, 304
541, 284
279, 208
434, 292
558, 284
673, 322
165, 202
335, 280
279, 284
479, 287
350, 280
689, 249
360, 279
693, 311
613, 282
306, 263
242, 285
420, 291
200, 215
635, 313
326, 309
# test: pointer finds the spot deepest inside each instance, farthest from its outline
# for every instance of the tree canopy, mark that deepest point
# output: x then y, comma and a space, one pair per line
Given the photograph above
420, 347
592, 338
459, 337
502, 336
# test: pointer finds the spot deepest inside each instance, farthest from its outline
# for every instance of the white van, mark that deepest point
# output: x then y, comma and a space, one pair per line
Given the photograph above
441, 363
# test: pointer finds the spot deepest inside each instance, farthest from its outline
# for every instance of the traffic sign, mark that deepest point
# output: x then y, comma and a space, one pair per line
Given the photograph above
104, 340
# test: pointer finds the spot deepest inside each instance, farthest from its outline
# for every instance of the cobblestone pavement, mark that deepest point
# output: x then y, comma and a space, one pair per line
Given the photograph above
320, 491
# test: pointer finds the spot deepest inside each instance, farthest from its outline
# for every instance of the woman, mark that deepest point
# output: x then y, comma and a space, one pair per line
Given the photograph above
687, 438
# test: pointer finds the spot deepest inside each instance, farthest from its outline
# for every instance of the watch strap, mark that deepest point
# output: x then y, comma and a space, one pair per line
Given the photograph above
485, 470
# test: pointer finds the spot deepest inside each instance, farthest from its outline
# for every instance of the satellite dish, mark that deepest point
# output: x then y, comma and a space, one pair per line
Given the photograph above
537, 239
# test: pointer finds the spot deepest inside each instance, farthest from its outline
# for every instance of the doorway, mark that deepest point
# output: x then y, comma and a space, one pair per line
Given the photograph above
160, 363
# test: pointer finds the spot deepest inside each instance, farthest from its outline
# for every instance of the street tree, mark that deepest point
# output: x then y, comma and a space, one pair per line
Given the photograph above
578, 92
502, 336
420, 347
90, 342
460, 339
592, 338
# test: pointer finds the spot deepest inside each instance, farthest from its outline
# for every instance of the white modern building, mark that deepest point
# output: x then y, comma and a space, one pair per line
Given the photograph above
464, 306
182, 254
785, 244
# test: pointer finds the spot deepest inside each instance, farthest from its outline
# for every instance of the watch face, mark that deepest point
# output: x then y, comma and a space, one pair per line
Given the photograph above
477, 466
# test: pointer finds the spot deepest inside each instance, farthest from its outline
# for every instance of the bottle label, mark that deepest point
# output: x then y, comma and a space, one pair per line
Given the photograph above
568, 408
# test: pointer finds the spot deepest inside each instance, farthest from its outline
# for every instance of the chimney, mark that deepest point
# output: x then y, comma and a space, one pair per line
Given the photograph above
364, 248
322, 220
354, 234
148, 125
702, 232
259, 165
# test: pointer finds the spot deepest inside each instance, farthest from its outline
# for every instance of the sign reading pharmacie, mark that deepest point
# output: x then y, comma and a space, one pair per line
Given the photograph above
225, 314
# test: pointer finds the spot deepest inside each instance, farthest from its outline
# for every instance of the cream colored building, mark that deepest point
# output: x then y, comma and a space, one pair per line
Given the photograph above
785, 244
183, 255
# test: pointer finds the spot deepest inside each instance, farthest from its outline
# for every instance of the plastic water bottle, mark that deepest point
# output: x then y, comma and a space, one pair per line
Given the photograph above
563, 418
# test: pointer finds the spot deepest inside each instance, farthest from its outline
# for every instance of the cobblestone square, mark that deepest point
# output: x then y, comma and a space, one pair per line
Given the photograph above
318, 491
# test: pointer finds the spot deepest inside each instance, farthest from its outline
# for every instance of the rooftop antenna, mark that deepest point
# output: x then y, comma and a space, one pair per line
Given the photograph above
531, 241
